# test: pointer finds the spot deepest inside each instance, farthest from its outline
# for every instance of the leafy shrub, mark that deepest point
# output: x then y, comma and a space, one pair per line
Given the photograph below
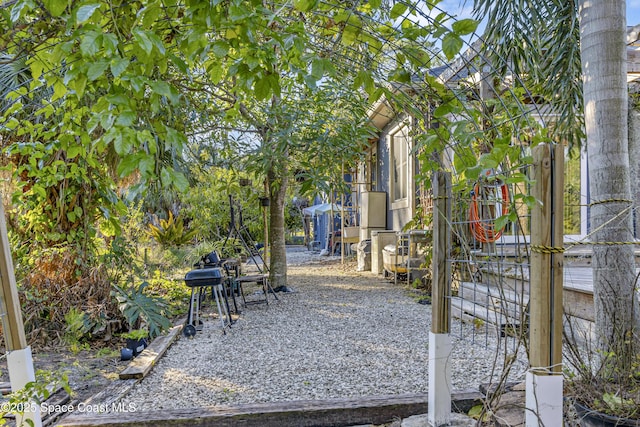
171, 232
141, 309
34, 392
77, 326
174, 292
230, 248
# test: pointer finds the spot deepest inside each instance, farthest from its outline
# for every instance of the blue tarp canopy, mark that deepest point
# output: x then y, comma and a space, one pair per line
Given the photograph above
322, 208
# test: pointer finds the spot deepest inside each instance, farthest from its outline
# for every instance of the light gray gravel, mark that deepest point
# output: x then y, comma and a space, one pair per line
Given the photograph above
342, 333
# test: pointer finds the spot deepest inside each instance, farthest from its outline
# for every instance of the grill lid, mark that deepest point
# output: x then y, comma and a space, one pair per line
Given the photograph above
203, 276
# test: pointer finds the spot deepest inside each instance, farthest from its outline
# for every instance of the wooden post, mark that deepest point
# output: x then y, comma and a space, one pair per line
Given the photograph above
547, 258
13, 327
19, 358
440, 385
440, 269
544, 379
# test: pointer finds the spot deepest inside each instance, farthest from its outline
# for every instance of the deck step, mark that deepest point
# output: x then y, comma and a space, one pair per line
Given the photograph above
478, 314
506, 301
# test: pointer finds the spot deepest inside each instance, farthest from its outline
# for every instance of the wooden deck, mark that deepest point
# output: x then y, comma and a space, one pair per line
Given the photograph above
486, 303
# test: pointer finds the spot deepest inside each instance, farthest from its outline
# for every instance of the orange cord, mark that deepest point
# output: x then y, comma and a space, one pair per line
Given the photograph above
484, 231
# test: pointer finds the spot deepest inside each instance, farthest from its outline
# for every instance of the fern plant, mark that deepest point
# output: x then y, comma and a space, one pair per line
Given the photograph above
139, 308
171, 232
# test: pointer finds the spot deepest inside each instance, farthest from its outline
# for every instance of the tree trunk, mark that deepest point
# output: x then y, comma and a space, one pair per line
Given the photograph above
603, 50
277, 191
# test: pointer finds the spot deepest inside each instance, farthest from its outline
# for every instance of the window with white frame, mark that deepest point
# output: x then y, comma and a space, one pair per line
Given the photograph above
575, 199
400, 173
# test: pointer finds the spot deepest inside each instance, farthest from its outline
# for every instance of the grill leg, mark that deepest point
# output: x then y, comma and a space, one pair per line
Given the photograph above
218, 289
194, 304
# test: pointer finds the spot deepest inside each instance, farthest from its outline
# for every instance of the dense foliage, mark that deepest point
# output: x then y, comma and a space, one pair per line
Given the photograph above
106, 103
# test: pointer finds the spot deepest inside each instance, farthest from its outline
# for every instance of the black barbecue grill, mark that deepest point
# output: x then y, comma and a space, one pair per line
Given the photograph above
199, 280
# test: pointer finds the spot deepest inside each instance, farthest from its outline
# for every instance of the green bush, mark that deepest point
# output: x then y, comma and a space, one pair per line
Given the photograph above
174, 292
141, 309
171, 232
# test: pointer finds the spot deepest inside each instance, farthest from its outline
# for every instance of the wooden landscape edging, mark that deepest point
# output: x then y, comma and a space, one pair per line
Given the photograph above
303, 413
141, 365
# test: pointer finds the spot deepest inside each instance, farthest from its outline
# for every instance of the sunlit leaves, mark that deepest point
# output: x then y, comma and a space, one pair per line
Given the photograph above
305, 5
55, 7
464, 26
398, 10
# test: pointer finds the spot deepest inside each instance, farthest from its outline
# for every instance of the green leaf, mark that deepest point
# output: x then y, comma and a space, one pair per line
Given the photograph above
262, 88
180, 181
464, 26
74, 151
398, 10
118, 66
451, 45
150, 14
126, 119
122, 145
216, 72
128, 164
317, 68
146, 165
59, 90
310, 81
220, 48
165, 177
79, 83
304, 5
20, 8
55, 7
85, 12
161, 88
143, 41
90, 43
501, 222
96, 70
443, 110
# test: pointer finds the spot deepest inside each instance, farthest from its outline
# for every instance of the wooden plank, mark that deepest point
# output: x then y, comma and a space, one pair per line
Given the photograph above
302, 413
13, 325
441, 269
578, 303
546, 267
483, 313
540, 262
141, 365
5, 388
112, 394
491, 293
557, 259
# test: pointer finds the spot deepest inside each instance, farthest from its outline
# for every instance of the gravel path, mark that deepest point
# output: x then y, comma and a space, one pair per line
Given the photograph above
340, 334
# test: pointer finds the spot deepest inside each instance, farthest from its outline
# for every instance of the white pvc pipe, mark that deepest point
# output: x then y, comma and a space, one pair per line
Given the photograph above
543, 400
439, 410
21, 372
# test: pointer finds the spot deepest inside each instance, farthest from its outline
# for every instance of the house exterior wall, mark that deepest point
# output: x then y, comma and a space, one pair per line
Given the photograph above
398, 214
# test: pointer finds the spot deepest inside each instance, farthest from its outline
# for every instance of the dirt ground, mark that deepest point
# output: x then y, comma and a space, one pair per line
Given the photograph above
88, 371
